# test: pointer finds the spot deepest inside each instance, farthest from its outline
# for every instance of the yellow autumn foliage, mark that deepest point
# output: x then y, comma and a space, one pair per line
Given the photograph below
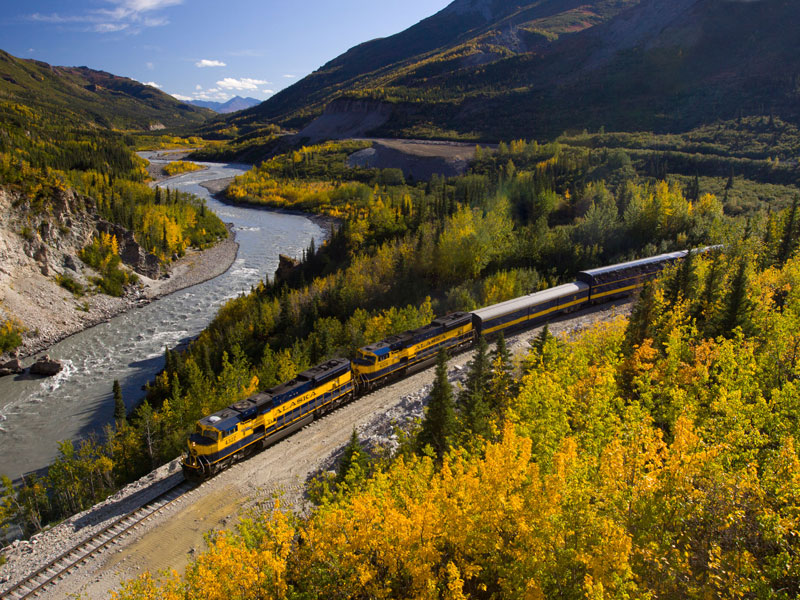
666, 471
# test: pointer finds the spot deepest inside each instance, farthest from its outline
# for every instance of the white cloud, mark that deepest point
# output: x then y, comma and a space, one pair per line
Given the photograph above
198, 87
146, 5
120, 15
150, 66
182, 98
267, 91
110, 27
229, 83
152, 84
209, 63
290, 76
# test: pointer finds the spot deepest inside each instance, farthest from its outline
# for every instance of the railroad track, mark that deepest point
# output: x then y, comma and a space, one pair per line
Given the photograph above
37, 582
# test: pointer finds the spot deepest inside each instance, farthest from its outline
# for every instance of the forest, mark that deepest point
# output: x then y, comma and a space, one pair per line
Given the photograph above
526, 216
42, 158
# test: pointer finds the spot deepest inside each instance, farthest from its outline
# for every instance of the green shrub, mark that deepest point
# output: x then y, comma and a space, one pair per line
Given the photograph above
10, 335
102, 255
27, 233
71, 285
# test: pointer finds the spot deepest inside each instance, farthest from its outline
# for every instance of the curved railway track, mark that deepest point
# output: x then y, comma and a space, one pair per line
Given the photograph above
40, 580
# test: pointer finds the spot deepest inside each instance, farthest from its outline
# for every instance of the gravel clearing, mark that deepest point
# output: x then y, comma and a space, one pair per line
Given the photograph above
171, 538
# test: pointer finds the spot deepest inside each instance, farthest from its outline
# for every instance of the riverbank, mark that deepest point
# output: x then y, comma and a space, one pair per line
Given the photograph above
324, 222
156, 170
59, 314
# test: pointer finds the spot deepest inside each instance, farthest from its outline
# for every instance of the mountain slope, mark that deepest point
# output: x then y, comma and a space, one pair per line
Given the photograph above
85, 97
490, 69
234, 104
465, 35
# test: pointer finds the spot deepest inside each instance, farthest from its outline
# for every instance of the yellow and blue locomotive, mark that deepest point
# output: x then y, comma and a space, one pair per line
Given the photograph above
264, 418
398, 354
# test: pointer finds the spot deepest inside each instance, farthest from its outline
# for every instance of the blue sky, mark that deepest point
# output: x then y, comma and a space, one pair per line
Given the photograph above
202, 49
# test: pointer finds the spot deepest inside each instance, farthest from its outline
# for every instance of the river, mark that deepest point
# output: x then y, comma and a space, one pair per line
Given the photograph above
35, 414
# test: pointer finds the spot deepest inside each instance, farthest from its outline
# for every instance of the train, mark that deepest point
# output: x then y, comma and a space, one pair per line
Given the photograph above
254, 423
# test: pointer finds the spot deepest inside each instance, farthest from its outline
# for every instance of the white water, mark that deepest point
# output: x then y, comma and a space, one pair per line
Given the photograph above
35, 414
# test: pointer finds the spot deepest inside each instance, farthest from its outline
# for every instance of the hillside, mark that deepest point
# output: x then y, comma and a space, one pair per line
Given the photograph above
82, 235
492, 69
83, 97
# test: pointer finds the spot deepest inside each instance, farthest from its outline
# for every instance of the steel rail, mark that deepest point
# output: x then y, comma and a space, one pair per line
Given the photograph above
35, 583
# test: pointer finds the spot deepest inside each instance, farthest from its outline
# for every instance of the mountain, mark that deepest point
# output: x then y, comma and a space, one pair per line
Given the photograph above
234, 104
85, 97
490, 69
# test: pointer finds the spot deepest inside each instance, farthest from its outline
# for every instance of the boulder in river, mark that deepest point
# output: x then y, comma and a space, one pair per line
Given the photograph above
11, 367
46, 366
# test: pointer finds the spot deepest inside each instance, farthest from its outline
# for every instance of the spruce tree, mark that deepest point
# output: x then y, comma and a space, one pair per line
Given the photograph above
702, 311
789, 235
681, 284
639, 326
541, 339
352, 458
737, 306
502, 387
120, 412
439, 424
473, 401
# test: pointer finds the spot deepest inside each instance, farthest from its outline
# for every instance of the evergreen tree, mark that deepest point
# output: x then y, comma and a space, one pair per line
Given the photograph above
789, 235
703, 309
681, 284
502, 386
693, 194
737, 306
353, 459
541, 339
642, 317
120, 412
439, 424
473, 401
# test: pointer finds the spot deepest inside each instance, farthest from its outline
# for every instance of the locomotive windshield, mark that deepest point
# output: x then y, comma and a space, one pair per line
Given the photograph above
367, 359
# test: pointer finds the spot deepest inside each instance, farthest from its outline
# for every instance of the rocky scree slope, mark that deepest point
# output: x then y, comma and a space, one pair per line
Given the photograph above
37, 247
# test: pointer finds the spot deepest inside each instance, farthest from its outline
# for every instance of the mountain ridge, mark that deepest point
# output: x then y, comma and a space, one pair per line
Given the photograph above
86, 97
492, 69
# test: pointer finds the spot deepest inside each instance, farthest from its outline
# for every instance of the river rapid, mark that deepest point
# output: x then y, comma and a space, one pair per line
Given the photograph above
35, 414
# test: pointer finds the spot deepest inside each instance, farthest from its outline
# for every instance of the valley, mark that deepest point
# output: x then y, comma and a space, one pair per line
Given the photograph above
586, 214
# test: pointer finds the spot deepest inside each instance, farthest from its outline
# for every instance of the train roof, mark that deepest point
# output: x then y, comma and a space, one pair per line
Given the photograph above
386, 345
222, 420
635, 263
320, 371
510, 306
452, 320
